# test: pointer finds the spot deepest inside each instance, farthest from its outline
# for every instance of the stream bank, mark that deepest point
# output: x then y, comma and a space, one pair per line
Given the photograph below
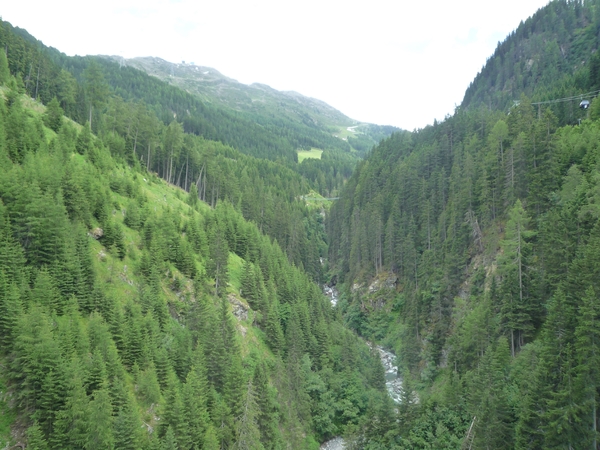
393, 382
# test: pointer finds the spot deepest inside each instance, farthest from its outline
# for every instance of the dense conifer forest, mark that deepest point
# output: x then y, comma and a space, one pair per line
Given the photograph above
160, 266
158, 288
471, 248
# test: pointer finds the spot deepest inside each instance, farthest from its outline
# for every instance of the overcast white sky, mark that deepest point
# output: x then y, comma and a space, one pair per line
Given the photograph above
382, 61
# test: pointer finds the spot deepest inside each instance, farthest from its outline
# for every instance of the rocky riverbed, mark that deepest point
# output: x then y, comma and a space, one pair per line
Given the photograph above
334, 444
392, 381
332, 293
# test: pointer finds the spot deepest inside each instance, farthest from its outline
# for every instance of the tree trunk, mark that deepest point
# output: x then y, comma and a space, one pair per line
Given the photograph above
594, 423
135, 143
217, 279
187, 162
179, 177
198, 185
37, 83
28, 78
512, 343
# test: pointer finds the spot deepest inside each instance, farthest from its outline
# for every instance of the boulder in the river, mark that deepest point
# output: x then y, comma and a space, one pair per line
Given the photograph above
332, 293
334, 444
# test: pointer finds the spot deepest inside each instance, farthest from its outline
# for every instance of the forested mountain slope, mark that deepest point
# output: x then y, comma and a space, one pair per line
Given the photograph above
65, 77
547, 57
213, 87
286, 110
84, 85
116, 297
287, 122
266, 192
471, 248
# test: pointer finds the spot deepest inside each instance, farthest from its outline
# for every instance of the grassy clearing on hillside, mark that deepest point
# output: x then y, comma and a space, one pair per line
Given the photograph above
351, 131
234, 266
312, 153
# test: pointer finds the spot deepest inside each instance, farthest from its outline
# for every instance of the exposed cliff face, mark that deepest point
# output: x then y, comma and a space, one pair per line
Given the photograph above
377, 295
326, 126
389, 282
239, 307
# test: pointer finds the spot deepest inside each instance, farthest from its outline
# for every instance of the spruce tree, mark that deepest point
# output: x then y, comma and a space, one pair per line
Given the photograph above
222, 420
219, 254
169, 442
517, 309
194, 394
71, 427
84, 140
174, 413
211, 441
248, 433
53, 115
267, 416
10, 311
587, 347
490, 399
149, 388
51, 399
100, 422
533, 394
35, 354
248, 284
127, 426
233, 390
35, 437
12, 258
559, 370
4, 72
275, 337
96, 88
563, 422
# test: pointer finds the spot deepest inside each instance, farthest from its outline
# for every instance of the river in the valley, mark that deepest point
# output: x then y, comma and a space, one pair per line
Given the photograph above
392, 381
331, 293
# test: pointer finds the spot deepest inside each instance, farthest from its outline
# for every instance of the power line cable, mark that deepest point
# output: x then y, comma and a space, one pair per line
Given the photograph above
568, 99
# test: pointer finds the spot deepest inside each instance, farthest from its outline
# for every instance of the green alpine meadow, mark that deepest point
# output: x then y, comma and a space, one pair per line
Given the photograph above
188, 262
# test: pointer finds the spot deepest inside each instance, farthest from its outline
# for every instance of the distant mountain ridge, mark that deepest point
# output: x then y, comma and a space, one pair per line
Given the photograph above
263, 103
256, 119
209, 84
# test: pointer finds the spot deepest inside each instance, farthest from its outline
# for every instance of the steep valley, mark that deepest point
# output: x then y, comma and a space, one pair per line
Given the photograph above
172, 276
